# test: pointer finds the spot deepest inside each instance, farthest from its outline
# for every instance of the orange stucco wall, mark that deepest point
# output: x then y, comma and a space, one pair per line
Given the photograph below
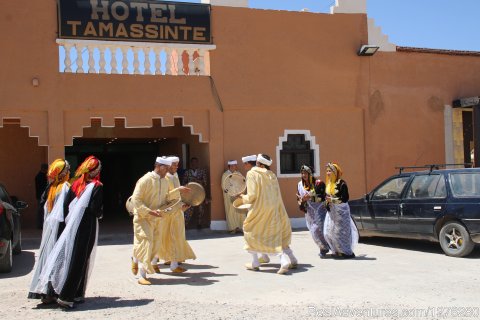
273, 71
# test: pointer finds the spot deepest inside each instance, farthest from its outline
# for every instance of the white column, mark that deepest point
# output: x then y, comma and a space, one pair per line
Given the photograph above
168, 63
147, 63
101, 61
91, 61
124, 51
67, 61
136, 62
191, 63
80, 60
201, 62
113, 62
180, 62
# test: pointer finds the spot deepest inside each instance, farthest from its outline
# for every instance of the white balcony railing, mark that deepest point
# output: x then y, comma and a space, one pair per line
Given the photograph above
142, 58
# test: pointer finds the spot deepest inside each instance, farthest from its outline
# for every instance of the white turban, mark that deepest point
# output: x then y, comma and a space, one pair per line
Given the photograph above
264, 161
249, 158
173, 159
163, 160
232, 162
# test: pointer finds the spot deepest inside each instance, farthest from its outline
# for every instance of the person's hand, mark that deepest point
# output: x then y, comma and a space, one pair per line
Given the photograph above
306, 197
185, 207
184, 189
156, 213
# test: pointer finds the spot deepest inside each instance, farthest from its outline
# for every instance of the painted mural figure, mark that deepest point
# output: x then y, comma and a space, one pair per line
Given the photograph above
174, 247
267, 228
311, 199
197, 213
234, 218
340, 231
52, 204
71, 260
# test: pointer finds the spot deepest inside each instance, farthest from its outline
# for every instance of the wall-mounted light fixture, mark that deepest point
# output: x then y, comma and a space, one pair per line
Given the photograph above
367, 50
35, 82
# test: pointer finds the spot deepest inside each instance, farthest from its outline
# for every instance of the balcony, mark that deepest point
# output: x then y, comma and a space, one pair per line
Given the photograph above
137, 58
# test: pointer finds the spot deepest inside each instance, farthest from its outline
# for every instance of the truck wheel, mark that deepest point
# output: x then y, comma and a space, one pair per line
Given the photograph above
455, 240
6, 261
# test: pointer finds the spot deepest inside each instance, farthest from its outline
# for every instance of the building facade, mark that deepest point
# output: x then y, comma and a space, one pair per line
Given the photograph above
288, 84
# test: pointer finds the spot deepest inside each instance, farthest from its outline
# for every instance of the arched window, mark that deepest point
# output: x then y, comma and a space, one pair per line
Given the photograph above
295, 148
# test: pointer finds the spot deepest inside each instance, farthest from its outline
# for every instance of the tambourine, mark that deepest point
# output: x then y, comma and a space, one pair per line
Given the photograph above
234, 184
196, 195
129, 206
239, 205
169, 205
165, 208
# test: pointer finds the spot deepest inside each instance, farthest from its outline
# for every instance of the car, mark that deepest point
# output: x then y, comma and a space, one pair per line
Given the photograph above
10, 230
440, 205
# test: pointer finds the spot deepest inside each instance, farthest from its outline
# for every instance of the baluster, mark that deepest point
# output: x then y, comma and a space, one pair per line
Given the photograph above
124, 51
101, 61
158, 61
113, 62
147, 63
180, 62
191, 63
67, 61
201, 62
80, 60
136, 61
168, 62
91, 61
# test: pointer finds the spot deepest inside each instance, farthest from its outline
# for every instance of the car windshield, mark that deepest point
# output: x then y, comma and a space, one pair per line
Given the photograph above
391, 189
465, 184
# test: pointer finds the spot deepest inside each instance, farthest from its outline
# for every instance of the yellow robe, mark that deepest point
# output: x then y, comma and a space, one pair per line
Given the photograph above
267, 227
234, 218
173, 243
150, 193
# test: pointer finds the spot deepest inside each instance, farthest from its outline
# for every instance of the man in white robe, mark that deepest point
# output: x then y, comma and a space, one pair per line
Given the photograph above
267, 227
234, 218
151, 192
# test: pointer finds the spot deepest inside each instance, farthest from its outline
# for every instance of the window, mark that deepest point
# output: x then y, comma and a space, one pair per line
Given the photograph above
427, 186
392, 189
295, 152
465, 184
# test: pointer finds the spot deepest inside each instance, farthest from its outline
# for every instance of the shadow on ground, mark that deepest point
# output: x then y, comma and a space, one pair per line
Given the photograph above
23, 264
413, 245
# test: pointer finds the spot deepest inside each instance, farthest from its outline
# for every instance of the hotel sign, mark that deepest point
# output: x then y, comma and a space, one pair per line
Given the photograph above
136, 20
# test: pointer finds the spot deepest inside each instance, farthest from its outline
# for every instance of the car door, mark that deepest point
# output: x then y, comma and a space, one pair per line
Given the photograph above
424, 201
384, 205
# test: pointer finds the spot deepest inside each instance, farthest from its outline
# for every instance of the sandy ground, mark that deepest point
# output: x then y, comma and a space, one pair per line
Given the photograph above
389, 279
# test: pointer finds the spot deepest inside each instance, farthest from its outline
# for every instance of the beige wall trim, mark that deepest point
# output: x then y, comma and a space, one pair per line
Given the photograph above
448, 119
227, 3
36, 122
378, 38
349, 6
313, 145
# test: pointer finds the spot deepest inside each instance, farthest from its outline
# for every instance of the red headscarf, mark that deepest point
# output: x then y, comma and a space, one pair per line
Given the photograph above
88, 170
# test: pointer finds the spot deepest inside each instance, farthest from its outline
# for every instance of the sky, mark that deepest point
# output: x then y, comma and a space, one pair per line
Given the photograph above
436, 24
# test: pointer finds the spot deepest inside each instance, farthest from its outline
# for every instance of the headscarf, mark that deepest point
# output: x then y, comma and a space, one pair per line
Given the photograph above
308, 170
88, 170
333, 178
58, 173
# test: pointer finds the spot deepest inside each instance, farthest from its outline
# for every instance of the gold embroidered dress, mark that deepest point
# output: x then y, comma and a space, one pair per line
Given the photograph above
267, 227
173, 243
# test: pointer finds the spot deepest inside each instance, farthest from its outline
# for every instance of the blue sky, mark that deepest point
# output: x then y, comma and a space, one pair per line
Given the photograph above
438, 24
